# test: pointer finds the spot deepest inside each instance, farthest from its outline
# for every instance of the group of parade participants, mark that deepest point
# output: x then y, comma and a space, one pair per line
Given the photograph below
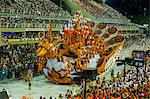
80, 41
84, 47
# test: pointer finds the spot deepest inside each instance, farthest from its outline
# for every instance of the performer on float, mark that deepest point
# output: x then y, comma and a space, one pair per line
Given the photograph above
57, 54
84, 65
42, 61
68, 68
78, 64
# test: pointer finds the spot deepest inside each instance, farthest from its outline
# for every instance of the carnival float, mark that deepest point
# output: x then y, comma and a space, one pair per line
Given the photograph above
77, 49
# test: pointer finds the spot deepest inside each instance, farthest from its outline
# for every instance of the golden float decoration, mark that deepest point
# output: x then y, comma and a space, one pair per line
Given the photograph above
102, 25
69, 49
112, 30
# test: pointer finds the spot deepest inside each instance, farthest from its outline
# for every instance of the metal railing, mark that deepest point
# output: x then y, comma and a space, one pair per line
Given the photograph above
20, 14
29, 25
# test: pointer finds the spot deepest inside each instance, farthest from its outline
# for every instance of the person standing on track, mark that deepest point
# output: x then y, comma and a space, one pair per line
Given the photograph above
112, 73
29, 81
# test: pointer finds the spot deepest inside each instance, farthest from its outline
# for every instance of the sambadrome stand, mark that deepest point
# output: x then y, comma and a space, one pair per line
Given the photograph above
77, 49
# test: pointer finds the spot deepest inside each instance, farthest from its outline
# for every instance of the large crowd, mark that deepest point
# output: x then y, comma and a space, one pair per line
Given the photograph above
16, 59
12, 35
137, 40
133, 86
26, 22
13, 12
19, 36
121, 25
99, 10
118, 88
129, 32
47, 8
34, 7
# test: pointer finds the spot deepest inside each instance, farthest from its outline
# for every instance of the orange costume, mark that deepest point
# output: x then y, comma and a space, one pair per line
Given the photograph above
24, 97
78, 63
68, 68
84, 66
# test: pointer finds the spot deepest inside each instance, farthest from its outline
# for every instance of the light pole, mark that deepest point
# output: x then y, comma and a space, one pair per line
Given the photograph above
122, 62
144, 11
84, 87
124, 72
147, 54
137, 73
60, 3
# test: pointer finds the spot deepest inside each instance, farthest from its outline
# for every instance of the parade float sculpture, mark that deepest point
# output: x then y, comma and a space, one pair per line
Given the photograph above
78, 48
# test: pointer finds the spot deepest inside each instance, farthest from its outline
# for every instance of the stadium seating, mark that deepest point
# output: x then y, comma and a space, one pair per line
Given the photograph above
34, 7
99, 10
15, 59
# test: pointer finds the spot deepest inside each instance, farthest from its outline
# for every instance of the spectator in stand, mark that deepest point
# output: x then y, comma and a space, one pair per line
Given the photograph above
15, 59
